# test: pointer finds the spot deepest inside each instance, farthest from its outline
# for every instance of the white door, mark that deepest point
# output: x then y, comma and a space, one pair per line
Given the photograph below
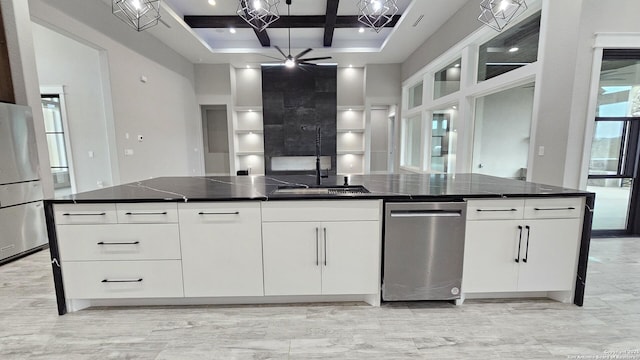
490, 253
291, 254
551, 258
350, 257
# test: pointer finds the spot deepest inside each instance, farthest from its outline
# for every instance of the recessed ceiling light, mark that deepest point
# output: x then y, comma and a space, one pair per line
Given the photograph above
350, 65
456, 65
514, 49
248, 67
232, 30
212, 2
454, 107
361, 30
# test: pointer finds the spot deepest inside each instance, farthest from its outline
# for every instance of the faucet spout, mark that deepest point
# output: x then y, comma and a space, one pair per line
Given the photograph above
318, 139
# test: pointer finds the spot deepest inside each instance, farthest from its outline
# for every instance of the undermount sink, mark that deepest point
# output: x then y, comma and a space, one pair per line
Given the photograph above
321, 190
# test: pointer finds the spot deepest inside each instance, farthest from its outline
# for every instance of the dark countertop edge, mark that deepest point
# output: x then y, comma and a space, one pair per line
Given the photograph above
392, 197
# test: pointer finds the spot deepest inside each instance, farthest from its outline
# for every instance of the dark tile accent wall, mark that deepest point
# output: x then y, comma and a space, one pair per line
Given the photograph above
293, 98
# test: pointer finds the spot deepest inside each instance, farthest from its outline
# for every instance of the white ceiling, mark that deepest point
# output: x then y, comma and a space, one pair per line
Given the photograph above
350, 47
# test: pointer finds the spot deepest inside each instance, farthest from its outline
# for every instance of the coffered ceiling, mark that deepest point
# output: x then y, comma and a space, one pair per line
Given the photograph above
202, 32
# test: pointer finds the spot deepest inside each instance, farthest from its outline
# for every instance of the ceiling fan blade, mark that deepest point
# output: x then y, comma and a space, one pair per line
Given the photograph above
272, 57
306, 63
280, 50
302, 53
316, 58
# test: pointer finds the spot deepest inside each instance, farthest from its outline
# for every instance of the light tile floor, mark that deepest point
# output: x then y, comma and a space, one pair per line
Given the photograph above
607, 327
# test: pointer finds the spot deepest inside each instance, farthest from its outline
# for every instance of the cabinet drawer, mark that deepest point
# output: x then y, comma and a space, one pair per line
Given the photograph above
118, 242
337, 210
507, 209
147, 213
220, 213
122, 279
553, 208
70, 214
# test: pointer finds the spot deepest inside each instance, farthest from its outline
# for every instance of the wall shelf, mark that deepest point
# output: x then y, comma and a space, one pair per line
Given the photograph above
257, 108
352, 108
350, 130
350, 152
246, 153
245, 131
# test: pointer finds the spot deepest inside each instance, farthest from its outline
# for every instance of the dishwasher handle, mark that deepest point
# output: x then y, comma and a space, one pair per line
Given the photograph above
425, 213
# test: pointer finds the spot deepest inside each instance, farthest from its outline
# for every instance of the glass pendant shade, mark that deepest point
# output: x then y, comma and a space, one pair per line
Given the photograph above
259, 13
497, 14
377, 13
139, 14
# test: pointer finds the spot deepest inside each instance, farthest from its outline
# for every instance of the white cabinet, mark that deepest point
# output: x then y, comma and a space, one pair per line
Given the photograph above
525, 245
221, 249
338, 254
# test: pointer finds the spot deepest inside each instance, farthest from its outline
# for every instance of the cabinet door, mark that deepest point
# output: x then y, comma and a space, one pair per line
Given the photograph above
221, 250
551, 258
291, 253
490, 251
350, 257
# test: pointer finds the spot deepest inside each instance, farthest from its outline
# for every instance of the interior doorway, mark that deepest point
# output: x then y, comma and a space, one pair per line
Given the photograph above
382, 139
215, 132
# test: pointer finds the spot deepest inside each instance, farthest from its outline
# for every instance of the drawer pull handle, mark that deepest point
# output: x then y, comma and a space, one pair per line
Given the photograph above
219, 213
119, 243
147, 213
122, 281
97, 214
496, 210
551, 209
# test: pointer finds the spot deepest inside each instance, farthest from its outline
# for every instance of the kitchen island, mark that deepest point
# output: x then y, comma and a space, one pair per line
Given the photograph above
207, 240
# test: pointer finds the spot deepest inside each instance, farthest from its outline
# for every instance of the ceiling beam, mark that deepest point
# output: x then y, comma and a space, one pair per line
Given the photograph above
330, 22
294, 21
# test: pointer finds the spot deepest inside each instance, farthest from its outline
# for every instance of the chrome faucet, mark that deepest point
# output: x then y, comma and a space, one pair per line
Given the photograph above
318, 151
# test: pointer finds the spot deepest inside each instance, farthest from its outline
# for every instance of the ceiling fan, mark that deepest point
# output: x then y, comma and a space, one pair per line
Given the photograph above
291, 61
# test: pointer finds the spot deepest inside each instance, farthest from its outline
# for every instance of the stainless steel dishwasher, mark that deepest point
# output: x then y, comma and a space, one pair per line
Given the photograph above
423, 250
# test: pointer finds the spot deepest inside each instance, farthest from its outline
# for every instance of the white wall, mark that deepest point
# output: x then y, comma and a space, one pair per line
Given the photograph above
84, 100
248, 87
350, 87
163, 109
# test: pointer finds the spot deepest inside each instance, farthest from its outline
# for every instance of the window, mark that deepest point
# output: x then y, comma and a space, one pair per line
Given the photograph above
510, 50
55, 134
415, 96
447, 80
501, 135
412, 134
443, 141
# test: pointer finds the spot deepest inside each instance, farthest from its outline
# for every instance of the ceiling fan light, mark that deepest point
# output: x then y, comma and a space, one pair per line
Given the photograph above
258, 13
139, 14
497, 14
290, 63
376, 13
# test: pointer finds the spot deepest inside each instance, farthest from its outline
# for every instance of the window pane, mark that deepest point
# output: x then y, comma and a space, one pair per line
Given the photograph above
57, 154
613, 203
510, 50
447, 80
443, 140
619, 88
608, 137
502, 129
412, 134
52, 118
415, 96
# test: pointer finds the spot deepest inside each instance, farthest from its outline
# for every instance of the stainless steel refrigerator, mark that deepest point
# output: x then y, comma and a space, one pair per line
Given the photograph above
22, 224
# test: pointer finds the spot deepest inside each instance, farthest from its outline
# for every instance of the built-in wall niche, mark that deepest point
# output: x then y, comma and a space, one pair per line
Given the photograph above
249, 140
350, 140
253, 163
249, 119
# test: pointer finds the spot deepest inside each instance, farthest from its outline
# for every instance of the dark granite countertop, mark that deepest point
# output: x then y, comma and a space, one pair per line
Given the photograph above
388, 187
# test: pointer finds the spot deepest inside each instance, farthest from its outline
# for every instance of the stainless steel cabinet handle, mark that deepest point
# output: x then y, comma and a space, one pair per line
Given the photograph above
325, 246
519, 242
426, 213
219, 213
146, 213
85, 214
495, 210
122, 281
526, 252
119, 243
317, 251
551, 209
